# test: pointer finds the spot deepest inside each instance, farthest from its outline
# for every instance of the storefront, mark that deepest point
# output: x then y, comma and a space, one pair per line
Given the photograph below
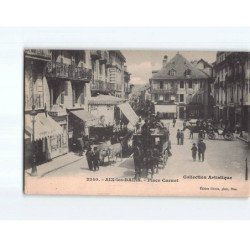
80, 123
50, 140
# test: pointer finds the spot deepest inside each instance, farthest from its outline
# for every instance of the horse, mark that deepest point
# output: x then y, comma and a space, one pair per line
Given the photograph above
115, 151
103, 152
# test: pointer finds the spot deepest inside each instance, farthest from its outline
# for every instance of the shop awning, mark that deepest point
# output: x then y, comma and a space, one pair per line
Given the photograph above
44, 126
129, 113
86, 117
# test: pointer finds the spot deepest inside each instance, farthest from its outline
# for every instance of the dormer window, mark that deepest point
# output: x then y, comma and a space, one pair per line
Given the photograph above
187, 72
172, 72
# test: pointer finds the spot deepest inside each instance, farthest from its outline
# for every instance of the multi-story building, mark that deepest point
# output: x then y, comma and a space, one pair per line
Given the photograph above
56, 87
116, 72
127, 86
109, 76
231, 88
180, 89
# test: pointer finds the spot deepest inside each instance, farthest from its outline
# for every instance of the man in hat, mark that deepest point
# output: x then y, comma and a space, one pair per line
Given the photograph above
89, 156
201, 150
95, 159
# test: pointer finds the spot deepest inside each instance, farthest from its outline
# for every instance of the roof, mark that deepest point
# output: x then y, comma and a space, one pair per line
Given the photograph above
207, 65
106, 100
179, 64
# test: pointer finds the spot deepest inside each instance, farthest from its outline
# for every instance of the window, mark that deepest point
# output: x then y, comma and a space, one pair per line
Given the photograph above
156, 97
181, 97
82, 98
66, 89
161, 97
100, 68
187, 72
62, 98
181, 84
161, 85
190, 85
172, 72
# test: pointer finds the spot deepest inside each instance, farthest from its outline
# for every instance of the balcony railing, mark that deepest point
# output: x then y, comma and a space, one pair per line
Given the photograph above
163, 91
38, 54
67, 71
101, 86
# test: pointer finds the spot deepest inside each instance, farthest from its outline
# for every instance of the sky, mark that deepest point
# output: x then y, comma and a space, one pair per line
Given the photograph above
140, 63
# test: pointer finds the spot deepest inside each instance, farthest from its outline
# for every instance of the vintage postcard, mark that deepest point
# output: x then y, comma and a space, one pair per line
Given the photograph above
136, 122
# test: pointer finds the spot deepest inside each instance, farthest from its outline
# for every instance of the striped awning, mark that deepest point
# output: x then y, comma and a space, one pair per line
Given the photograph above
129, 113
86, 117
44, 126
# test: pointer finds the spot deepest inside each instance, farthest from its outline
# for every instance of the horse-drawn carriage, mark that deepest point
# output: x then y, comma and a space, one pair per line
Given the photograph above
151, 151
206, 127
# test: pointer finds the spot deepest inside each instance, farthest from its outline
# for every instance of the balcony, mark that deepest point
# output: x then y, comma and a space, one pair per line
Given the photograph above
104, 57
38, 54
164, 91
70, 72
102, 87
95, 54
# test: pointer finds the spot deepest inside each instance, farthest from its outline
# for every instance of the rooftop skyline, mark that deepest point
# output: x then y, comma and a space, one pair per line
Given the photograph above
140, 63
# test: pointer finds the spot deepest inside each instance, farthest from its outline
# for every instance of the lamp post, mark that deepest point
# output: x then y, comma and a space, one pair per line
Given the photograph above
33, 114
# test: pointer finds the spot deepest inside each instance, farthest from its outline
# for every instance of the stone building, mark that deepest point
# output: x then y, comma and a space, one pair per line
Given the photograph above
57, 88
109, 73
231, 88
181, 89
59, 85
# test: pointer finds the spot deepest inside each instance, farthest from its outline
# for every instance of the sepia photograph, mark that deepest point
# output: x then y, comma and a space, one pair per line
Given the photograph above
136, 122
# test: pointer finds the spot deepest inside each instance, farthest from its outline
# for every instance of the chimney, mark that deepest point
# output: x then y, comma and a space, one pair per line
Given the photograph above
164, 61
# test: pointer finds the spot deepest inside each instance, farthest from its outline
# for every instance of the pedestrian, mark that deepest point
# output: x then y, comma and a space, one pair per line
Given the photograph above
174, 121
182, 137
178, 136
201, 150
95, 159
184, 125
89, 157
194, 151
200, 134
191, 133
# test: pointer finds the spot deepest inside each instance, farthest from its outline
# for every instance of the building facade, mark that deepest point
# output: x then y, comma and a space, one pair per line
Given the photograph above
56, 86
59, 85
109, 75
180, 89
231, 88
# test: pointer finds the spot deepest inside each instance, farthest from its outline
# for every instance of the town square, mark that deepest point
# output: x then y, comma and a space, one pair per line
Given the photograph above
100, 114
